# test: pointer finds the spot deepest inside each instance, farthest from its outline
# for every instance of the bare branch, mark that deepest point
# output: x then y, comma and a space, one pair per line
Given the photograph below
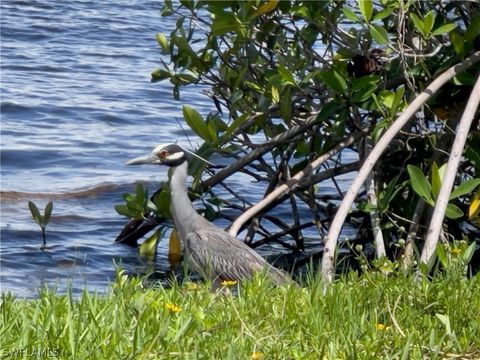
280, 190
336, 226
259, 151
450, 173
372, 199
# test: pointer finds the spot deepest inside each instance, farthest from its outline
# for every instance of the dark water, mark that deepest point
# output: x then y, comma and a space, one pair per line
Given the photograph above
76, 102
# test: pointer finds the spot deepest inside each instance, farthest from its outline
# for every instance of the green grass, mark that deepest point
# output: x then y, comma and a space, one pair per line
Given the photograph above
367, 317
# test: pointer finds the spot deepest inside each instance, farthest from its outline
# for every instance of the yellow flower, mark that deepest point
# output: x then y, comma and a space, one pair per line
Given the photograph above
228, 283
381, 327
191, 286
256, 356
173, 308
456, 250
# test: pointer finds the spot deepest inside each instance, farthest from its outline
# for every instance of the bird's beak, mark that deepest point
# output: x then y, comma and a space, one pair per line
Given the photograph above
146, 159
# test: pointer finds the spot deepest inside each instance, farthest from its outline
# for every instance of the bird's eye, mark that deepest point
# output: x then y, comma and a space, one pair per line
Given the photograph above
162, 154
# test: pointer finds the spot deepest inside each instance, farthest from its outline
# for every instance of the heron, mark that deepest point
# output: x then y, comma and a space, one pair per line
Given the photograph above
209, 250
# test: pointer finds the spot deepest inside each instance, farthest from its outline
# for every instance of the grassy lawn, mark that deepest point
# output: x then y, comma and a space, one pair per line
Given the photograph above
366, 317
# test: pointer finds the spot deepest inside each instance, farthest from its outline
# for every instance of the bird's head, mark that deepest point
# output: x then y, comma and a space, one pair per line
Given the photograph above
165, 154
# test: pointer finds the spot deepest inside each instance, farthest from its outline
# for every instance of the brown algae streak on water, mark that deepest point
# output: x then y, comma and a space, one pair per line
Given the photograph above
14, 196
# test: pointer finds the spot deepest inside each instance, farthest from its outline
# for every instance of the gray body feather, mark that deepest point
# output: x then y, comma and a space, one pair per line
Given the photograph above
215, 254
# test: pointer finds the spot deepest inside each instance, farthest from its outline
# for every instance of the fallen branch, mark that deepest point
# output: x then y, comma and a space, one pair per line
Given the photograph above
450, 173
337, 223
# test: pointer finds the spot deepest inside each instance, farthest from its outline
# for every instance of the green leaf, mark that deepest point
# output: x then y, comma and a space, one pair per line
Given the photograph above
275, 94
473, 155
350, 15
444, 29
124, 211
135, 208
389, 193
128, 197
458, 42
453, 211
379, 34
267, 7
417, 22
189, 4
328, 110
35, 213
149, 247
197, 124
163, 42
218, 124
151, 206
436, 180
160, 74
445, 320
334, 80
286, 77
365, 81
420, 184
47, 213
363, 94
141, 193
366, 8
185, 78
397, 101
464, 79
428, 23
468, 254
465, 188
228, 22
162, 203
167, 8
235, 124
237, 95
387, 98
473, 30
383, 14
442, 254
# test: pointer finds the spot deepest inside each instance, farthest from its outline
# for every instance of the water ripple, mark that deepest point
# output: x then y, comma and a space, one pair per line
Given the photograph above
76, 103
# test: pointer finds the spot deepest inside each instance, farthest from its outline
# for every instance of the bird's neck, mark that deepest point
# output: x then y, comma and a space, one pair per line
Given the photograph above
183, 213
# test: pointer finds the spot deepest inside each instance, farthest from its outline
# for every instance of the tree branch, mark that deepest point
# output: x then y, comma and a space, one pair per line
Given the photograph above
450, 173
337, 223
372, 199
280, 190
259, 151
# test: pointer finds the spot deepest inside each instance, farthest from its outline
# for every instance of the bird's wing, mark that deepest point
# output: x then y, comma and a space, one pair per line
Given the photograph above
218, 254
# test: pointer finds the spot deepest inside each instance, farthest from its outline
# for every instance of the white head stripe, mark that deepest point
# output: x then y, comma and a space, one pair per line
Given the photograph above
176, 156
158, 148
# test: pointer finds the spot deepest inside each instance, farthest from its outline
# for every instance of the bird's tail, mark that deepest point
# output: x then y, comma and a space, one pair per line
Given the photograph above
280, 277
